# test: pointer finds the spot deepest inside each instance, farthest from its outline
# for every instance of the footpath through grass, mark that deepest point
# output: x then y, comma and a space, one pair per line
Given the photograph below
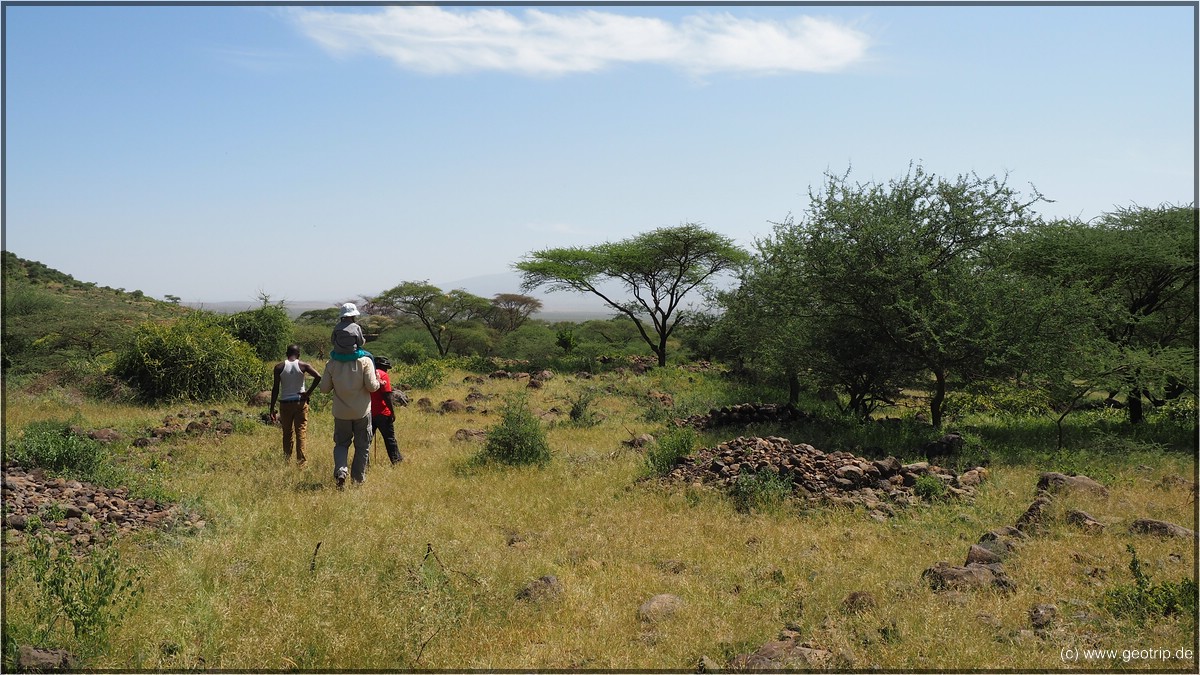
421, 567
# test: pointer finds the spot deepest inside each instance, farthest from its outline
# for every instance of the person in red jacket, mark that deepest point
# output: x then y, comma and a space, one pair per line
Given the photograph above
383, 415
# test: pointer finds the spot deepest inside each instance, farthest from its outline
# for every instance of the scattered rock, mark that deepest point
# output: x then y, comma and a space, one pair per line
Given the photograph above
858, 602
639, 441
451, 406
470, 435
1032, 520
261, 398
1057, 482
1041, 616
975, 576
104, 435
1160, 528
785, 654
708, 665
35, 660
541, 589
982, 555
1084, 521
659, 607
1171, 482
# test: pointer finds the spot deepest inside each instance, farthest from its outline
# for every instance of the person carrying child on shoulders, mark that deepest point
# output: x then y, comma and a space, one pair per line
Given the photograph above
347, 337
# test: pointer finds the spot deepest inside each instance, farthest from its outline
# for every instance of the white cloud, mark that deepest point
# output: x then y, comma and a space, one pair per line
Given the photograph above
437, 41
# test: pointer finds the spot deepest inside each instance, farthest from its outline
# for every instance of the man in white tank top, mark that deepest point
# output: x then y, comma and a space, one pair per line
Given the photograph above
288, 388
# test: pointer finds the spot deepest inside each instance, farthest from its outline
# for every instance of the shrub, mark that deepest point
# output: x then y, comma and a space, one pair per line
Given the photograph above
267, 329
761, 491
191, 359
1145, 600
929, 487
519, 437
671, 446
424, 375
51, 445
92, 592
581, 413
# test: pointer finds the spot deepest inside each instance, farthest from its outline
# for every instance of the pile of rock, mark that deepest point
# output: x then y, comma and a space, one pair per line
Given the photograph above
839, 478
84, 514
743, 414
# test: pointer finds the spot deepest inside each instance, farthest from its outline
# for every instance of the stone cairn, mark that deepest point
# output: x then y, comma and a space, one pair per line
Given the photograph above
82, 513
834, 478
743, 414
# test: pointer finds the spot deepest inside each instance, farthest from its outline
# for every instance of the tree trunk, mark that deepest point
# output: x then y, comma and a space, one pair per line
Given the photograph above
939, 397
793, 389
1134, 402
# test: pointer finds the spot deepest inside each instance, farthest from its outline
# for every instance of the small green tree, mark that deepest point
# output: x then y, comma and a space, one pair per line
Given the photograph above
658, 269
267, 329
445, 316
194, 358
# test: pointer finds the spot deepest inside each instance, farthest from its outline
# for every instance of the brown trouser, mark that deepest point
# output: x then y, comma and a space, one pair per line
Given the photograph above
293, 415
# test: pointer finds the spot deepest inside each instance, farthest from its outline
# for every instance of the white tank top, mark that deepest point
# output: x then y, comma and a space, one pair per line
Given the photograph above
291, 381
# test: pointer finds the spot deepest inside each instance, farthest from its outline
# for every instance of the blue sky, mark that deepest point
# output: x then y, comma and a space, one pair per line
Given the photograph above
321, 153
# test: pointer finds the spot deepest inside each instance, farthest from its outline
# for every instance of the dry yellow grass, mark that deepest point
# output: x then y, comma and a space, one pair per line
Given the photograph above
420, 567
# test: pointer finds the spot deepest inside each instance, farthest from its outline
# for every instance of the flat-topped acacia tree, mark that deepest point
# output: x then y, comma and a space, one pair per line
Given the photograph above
657, 269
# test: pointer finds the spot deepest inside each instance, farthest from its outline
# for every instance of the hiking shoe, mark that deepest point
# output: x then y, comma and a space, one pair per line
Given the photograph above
341, 477
399, 458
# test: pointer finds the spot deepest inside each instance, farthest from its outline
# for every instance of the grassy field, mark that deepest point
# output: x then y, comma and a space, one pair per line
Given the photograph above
420, 567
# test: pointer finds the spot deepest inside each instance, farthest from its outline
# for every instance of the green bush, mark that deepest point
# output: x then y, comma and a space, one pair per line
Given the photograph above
267, 329
424, 375
92, 592
51, 445
763, 491
929, 487
1145, 600
192, 359
519, 437
671, 446
581, 413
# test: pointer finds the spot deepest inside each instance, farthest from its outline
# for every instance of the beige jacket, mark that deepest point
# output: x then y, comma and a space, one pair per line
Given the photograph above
351, 383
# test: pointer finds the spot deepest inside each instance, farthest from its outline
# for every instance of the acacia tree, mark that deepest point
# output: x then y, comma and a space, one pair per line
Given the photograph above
444, 315
1138, 265
658, 269
510, 311
900, 282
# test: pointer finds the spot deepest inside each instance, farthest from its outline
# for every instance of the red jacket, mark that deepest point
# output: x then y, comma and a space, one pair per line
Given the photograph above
380, 399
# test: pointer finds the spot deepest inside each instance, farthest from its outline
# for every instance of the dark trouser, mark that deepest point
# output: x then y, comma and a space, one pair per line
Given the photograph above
386, 425
293, 417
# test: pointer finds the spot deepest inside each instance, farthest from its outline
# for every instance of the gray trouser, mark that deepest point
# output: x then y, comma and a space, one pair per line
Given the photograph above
356, 431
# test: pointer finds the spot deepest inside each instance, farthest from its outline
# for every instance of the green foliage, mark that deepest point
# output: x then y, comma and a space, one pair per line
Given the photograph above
92, 593
929, 487
1001, 398
672, 445
518, 438
423, 375
52, 445
1145, 600
581, 413
763, 491
449, 318
313, 340
267, 329
565, 340
657, 268
192, 359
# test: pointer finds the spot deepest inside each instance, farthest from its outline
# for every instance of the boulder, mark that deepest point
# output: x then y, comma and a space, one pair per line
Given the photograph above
261, 398
451, 406
975, 576
32, 659
1084, 521
1160, 528
1057, 482
470, 435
